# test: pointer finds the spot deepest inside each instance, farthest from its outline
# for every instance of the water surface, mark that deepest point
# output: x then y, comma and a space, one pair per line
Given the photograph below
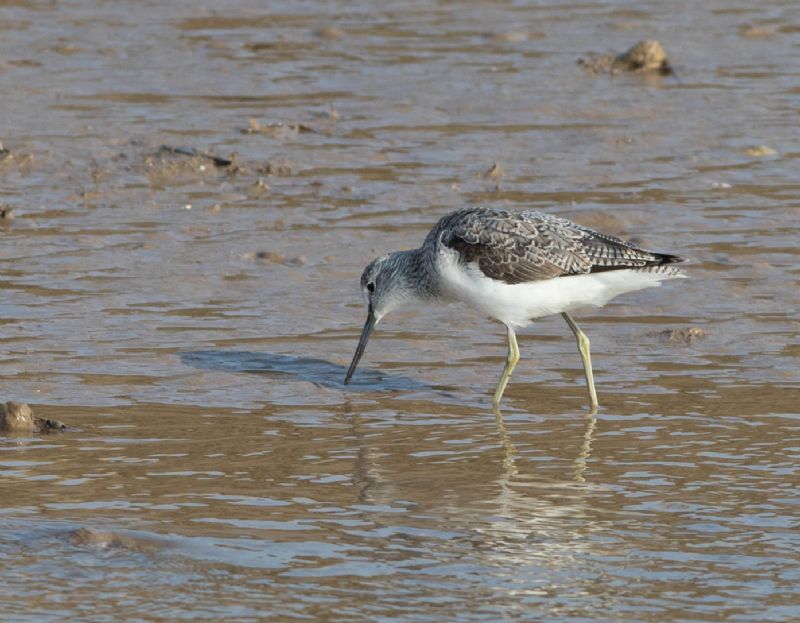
192, 323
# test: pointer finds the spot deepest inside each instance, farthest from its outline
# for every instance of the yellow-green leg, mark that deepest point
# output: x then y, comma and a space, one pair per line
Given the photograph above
583, 347
511, 361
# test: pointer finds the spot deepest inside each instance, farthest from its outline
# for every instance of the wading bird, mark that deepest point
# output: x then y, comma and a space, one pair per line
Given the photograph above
514, 267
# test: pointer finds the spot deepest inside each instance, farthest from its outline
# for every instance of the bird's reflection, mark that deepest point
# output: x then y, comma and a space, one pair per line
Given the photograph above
509, 451
580, 463
498, 513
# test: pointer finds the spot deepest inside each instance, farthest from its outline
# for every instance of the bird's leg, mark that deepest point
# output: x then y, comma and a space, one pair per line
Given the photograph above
583, 347
511, 361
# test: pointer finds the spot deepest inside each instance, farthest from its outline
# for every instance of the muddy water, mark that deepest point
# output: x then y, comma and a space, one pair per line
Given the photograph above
192, 322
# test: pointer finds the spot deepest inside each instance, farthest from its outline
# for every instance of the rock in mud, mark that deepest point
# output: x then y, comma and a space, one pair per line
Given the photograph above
18, 417
6, 213
645, 56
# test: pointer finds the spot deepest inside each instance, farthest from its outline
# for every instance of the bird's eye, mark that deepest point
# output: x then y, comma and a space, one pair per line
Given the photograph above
371, 286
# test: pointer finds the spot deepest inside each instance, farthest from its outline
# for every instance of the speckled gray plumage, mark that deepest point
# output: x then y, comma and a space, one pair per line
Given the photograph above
521, 247
509, 266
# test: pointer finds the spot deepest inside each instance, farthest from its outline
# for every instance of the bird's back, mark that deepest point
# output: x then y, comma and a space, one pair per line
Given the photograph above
519, 266
520, 247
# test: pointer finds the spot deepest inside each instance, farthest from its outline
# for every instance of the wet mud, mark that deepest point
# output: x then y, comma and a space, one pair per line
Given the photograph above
179, 284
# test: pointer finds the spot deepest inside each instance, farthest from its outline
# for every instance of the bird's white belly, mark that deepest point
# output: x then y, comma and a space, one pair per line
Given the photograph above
518, 304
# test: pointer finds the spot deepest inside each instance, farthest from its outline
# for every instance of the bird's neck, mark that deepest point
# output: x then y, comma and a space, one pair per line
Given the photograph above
416, 273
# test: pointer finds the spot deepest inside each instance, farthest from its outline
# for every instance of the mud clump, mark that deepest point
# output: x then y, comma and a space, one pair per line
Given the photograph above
10, 161
218, 161
272, 257
330, 33
85, 537
259, 187
495, 172
281, 131
646, 56
753, 31
682, 336
760, 151
107, 541
277, 168
176, 165
18, 417
514, 36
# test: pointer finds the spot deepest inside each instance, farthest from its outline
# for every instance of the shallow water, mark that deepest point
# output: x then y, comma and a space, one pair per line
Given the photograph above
192, 323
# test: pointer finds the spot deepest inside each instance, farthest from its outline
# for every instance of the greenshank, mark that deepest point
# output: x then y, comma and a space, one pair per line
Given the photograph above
514, 267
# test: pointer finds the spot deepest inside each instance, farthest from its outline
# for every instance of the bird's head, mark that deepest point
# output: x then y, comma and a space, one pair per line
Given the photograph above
385, 286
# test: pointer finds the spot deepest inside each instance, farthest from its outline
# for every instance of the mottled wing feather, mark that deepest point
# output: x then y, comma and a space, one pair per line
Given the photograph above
611, 253
515, 250
531, 246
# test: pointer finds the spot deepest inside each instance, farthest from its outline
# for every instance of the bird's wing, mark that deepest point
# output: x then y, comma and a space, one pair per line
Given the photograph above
531, 246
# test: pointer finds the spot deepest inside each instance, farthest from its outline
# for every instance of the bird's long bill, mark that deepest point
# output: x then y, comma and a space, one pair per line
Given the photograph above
362, 344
